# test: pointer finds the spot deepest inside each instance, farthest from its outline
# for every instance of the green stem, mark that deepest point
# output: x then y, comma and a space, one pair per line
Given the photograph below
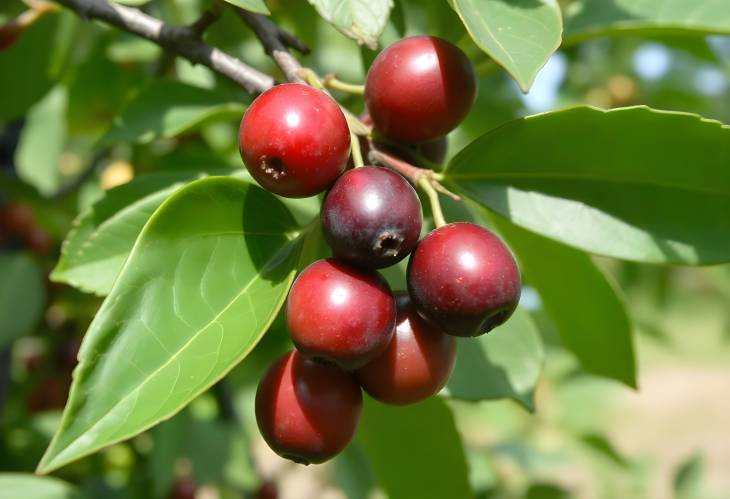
433, 198
356, 152
331, 81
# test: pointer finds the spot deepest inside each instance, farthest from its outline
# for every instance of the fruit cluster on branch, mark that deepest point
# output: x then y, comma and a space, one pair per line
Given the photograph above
349, 330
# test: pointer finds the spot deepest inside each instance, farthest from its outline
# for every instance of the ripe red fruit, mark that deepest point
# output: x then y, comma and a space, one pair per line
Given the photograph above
39, 241
371, 217
17, 219
464, 279
307, 412
419, 89
294, 140
9, 34
183, 488
340, 314
416, 364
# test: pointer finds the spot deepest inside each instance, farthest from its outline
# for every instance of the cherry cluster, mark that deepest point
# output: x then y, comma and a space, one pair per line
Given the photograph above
349, 329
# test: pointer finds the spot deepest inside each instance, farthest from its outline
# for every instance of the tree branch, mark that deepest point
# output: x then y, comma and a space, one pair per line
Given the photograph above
276, 43
182, 40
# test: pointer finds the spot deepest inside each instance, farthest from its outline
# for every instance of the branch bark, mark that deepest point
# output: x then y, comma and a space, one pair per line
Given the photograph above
182, 40
276, 43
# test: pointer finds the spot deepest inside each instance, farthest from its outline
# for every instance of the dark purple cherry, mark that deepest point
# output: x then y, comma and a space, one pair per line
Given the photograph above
371, 217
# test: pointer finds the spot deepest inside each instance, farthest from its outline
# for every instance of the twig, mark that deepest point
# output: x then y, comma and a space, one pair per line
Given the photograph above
183, 40
206, 19
276, 43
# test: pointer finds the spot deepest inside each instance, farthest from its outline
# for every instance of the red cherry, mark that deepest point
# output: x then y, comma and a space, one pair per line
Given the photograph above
183, 488
464, 279
340, 314
294, 140
371, 217
39, 241
307, 412
419, 89
416, 364
9, 34
17, 219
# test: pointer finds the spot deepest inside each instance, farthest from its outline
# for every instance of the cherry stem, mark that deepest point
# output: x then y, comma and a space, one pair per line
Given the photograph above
433, 198
420, 177
334, 83
356, 151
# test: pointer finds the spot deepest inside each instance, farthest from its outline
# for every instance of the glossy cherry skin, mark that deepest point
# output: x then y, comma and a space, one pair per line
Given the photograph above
371, 217
306, 411
419, 89
340, 314
294, 140
416, 364
464, 279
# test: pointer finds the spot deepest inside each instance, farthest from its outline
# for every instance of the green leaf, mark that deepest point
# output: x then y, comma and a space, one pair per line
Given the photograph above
520, 35
253, 5
590, 317
591, 18
102, 237
504, 363
688, 477
42, 141
167, 108
21, 296
604, 447
26, 486
202, 284
361, 20
25, 67
415, 450
632, 183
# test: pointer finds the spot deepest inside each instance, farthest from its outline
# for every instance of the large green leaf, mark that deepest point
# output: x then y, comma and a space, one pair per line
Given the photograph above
520, 35
590, 18
631, 183
415, 450
590, 317
252, 5
202, 284
42, 141
504, 363
167, 108
102, 237
26, 486
21, 296
361, 20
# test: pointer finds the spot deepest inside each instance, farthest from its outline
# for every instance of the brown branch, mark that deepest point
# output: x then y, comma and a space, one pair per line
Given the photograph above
413, 173
276, 43
184, 41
